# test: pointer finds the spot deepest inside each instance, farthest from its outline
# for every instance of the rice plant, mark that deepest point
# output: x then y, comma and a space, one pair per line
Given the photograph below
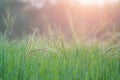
51, 58
35, 59
9, 22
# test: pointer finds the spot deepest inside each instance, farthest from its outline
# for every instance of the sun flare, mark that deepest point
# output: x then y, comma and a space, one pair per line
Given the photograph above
92, 2
96, 2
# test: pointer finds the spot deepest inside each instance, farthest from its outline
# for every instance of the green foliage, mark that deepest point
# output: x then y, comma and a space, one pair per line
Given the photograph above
38, 59
50, 58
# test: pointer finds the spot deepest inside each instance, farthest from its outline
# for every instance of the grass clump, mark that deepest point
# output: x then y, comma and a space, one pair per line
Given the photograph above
36, 59
51, 58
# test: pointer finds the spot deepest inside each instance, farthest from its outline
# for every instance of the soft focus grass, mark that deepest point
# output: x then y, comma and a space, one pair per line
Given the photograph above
51, 58
41, 59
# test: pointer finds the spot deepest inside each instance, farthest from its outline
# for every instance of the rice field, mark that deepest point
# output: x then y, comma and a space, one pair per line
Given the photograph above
42, 59
50, 57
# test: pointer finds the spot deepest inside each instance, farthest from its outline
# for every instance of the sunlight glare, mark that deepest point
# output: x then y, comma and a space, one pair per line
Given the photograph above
96, 2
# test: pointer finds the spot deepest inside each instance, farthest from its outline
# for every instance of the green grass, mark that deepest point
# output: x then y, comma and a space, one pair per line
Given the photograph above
40, 59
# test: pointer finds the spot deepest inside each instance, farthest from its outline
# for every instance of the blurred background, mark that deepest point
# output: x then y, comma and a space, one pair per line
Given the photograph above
89, 21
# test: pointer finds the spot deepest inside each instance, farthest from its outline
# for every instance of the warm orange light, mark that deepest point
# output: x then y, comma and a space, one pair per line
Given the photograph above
92, 2
96, 2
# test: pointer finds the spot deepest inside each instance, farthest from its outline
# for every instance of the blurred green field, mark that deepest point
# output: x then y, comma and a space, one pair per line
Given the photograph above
41, 59
85, 53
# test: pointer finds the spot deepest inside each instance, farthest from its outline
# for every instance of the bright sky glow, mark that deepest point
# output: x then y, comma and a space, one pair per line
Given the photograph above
40, 3
96, 2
